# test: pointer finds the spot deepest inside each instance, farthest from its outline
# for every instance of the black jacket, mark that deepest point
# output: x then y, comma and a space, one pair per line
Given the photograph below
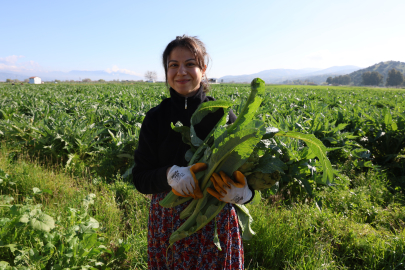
160, 147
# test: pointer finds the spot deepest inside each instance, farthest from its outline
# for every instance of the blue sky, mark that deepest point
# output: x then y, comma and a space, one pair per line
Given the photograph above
241, 38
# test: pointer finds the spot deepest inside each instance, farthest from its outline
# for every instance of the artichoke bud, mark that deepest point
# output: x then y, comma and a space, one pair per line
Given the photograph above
254, 157
260, 181
250, 164
247, 167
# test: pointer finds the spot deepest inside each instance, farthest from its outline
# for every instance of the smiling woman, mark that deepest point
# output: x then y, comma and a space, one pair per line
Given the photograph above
186, 58
183, 74
161, 167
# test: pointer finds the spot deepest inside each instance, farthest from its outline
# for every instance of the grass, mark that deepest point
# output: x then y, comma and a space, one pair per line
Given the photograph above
121, 210
361, 226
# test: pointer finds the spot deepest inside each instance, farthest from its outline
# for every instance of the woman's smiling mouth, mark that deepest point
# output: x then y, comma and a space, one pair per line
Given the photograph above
183, 81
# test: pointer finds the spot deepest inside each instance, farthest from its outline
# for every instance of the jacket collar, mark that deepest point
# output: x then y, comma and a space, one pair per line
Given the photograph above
191, 102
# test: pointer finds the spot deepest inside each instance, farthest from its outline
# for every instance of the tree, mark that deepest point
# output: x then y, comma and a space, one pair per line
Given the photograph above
395, 78
372, 78
26, 80
151, 75
101, 80
86, 80
9, 80
342, 79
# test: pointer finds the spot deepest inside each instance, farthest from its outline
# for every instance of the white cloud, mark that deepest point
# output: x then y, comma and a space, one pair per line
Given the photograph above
10, 63
12, 59
122, 70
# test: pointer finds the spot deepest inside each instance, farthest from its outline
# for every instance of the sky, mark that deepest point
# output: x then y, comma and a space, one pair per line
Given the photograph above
242, 37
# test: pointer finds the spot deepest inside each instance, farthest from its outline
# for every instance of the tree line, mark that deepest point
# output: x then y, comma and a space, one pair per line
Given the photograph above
394, 78
342, 79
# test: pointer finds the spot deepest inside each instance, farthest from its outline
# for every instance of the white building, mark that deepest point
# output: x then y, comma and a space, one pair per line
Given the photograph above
213, 81
35, 80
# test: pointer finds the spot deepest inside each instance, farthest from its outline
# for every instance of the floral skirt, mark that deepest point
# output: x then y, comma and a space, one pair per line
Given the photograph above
198, 250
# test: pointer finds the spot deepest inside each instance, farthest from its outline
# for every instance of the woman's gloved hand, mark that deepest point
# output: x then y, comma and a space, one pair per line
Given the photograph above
230, 191
183, 181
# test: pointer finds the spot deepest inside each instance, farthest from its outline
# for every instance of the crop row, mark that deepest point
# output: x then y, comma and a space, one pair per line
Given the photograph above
96, 127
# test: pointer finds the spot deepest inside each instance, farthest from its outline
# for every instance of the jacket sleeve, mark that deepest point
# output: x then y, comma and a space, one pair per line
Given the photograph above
232, 117
148, 178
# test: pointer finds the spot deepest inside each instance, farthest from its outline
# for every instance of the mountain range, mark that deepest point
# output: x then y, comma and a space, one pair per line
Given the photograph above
281, 75
275, 76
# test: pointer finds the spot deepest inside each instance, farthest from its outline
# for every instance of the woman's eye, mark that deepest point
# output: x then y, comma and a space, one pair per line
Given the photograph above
190, 64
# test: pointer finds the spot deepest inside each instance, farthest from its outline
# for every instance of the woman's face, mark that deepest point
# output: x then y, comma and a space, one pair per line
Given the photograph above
183, 72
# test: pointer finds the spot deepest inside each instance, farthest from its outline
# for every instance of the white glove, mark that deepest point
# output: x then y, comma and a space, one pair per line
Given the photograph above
230, 191
183, 180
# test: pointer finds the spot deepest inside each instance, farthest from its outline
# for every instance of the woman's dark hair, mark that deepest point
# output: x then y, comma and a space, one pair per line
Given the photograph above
195, 46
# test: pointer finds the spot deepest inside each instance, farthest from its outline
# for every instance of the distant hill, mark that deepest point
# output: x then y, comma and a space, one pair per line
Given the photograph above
382, 68
4, 76
280, 75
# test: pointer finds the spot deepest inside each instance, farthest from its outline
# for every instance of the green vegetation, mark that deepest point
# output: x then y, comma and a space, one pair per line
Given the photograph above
395, 78
383, 68
71, 141
339, 80
226, 149
372, 78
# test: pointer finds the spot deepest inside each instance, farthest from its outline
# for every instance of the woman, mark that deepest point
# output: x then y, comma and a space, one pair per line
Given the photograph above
161, 167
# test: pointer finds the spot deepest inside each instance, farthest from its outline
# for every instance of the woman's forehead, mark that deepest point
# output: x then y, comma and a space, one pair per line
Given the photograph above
180, 53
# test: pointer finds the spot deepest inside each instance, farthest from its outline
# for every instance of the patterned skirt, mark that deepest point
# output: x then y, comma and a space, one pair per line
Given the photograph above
198, 250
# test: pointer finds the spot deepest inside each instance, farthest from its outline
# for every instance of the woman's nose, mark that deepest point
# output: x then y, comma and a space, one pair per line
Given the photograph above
182, 69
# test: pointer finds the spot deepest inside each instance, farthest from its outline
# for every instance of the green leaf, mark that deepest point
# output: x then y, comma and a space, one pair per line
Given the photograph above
14, 210
208, 107
47, 191
203, 110
238, 156
211, 210
217, 243
4, 221
42, 222
252, 104
270, 132
201, 219
12, 247
6, 199
361, 153
177, 235
245, 221
89, 240
89, 199
306, 153
224, 146
189, 155
195, 141
89, 226
4, 265
318, 149
270, 164
36, 191
24, 218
